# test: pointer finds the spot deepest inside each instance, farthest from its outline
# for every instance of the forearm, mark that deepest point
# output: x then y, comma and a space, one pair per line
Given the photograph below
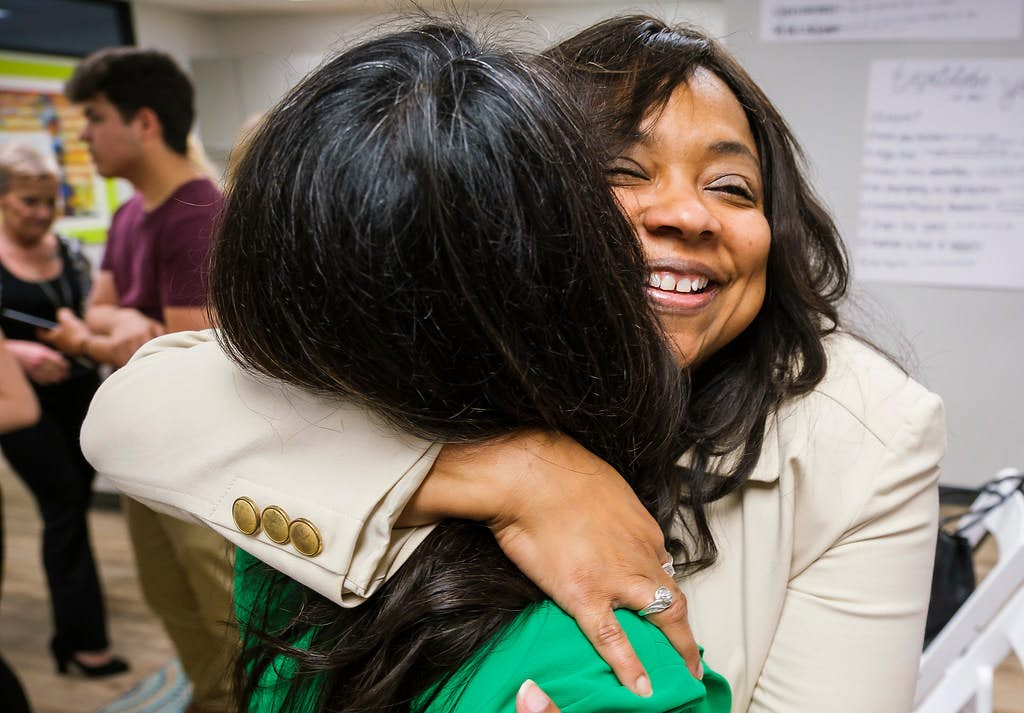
466, 481
18, 405
18, 348
315, 458
101, 349
495, 481
101, 318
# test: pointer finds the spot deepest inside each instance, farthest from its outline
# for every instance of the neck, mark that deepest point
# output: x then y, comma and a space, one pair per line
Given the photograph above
160, 174
38, 252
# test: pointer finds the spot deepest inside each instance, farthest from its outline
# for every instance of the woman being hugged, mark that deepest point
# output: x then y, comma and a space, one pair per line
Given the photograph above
458, 323
816, 456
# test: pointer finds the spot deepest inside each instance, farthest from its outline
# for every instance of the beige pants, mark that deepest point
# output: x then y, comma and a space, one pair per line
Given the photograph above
186, 573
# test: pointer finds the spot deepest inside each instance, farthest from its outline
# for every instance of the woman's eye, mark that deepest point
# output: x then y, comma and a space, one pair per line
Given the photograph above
622, 172
740, 190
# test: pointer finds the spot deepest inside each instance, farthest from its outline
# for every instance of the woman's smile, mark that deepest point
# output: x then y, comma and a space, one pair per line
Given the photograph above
691, 186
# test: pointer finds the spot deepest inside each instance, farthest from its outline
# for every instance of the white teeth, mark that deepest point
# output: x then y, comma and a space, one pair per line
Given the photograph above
684, 285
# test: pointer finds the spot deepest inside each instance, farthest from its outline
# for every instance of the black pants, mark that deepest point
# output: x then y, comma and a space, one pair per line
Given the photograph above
48, 458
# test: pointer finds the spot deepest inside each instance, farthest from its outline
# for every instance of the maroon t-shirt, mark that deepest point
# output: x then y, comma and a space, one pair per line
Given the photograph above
158, 258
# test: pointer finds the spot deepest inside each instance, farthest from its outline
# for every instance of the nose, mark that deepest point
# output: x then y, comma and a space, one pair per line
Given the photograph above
678, 211
83, 135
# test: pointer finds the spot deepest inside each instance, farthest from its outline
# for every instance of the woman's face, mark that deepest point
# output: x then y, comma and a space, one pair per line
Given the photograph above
692, 187
29, 208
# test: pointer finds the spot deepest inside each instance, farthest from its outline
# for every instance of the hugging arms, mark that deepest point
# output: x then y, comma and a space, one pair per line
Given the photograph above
814, 457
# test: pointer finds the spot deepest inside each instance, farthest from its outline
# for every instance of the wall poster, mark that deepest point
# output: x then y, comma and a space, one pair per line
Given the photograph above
942, 181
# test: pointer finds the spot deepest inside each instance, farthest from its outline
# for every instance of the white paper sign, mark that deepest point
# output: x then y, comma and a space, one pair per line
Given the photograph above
942, 184
838, 20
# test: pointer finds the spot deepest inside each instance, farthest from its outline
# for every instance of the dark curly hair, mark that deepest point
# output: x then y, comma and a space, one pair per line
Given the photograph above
619, 71
422, 226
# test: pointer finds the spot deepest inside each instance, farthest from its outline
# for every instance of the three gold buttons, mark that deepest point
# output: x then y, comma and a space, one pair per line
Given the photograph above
301, 533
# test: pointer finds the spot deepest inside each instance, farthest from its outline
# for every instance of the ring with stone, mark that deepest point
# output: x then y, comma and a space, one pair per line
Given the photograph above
662, 600
669, 568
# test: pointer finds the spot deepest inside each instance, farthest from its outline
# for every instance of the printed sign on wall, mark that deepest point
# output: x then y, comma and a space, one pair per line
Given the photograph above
942, 183
857, 20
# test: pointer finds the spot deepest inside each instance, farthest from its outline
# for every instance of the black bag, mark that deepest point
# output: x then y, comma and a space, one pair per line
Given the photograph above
953, 574
952, 581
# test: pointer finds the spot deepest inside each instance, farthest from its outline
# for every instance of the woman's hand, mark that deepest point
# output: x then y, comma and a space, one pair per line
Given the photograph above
531, 699
70, 334
574, 527
40, 363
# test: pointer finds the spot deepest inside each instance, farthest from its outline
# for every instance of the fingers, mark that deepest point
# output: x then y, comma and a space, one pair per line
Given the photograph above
674, 623
531, 699
49, 372
605, 633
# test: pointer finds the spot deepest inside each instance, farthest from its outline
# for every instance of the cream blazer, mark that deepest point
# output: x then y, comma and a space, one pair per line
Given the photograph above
815, 605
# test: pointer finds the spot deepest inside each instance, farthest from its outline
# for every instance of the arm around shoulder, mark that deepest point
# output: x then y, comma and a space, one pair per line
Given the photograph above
185, 429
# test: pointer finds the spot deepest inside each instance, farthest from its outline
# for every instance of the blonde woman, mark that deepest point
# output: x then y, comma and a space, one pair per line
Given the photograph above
43, 275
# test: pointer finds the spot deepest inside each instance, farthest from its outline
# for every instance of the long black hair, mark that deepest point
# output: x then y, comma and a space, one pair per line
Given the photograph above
422, 226
620, 71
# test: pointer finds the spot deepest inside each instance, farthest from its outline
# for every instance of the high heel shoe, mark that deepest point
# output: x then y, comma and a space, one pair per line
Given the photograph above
70, 664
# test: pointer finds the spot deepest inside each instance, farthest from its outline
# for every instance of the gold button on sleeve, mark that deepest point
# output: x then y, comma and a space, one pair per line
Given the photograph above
246, 516
306, 537
275, 524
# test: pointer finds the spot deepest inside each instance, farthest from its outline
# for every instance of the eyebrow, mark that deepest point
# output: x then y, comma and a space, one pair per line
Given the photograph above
722, 148
732, 148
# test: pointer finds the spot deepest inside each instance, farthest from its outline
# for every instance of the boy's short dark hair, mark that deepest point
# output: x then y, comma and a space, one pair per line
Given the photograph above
132, 78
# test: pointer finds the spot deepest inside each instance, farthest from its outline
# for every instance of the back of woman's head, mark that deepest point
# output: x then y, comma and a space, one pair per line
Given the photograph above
420, 226
624, 69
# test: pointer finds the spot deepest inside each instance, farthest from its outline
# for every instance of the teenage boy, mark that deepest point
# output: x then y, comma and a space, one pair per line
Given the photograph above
139, 110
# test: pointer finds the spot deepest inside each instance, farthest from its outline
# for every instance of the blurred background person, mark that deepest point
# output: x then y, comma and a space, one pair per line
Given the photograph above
42, 273
18, 409
139, 110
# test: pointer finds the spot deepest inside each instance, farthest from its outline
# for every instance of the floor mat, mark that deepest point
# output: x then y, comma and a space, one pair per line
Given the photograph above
166, 691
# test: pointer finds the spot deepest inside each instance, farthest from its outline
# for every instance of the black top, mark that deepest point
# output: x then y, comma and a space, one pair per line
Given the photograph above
41, 299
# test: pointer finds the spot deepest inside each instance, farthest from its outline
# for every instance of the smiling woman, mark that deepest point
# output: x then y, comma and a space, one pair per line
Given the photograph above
807, 518
691, 185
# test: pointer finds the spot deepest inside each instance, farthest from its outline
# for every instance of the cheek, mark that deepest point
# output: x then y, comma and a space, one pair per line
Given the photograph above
751, 251
629, 203
751, 260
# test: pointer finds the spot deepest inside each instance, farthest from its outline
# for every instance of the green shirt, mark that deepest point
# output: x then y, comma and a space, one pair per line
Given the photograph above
544, 644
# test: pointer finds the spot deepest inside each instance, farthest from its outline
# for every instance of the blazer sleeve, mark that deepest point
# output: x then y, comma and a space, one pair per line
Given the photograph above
184, 430
851, 629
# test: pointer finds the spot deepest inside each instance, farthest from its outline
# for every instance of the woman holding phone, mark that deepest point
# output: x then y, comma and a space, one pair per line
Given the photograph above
43, 275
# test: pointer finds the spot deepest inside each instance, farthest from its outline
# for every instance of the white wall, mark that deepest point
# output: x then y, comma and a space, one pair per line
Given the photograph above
183, 35
964, 344
242, 64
